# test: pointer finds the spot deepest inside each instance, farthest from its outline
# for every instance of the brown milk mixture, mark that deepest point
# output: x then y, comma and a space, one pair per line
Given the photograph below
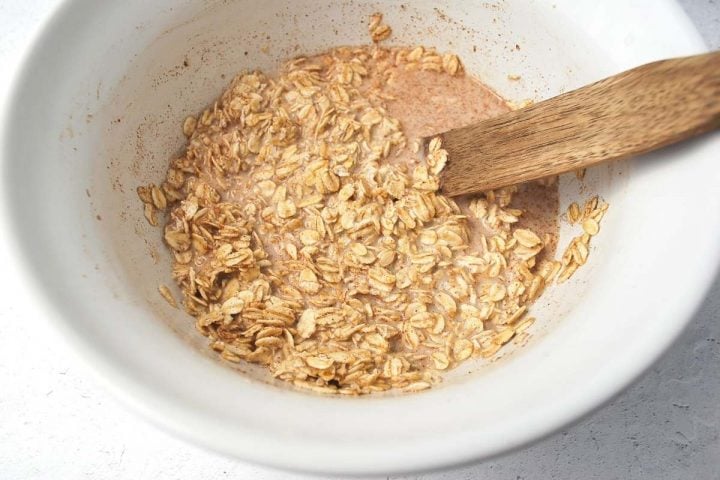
309, 235
428, 104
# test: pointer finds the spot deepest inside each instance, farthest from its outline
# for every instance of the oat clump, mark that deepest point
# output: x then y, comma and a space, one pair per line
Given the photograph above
302, 244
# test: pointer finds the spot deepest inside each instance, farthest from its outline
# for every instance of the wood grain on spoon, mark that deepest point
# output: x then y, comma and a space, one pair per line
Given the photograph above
628, 114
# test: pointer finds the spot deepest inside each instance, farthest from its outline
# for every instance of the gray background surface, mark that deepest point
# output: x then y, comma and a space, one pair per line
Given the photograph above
56, 424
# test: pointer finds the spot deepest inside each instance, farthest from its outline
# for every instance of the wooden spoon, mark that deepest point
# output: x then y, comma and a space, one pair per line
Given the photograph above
628, 114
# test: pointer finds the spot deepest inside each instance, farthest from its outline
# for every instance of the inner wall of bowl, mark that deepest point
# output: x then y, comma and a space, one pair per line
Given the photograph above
180, 62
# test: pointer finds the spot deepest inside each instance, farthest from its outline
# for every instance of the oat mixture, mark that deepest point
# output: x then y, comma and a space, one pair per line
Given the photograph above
309, 234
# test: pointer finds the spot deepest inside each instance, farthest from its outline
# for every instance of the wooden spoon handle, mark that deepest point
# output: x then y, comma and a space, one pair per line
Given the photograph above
627, 114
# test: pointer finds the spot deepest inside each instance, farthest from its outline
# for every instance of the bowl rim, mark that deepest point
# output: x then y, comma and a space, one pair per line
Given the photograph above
161, 409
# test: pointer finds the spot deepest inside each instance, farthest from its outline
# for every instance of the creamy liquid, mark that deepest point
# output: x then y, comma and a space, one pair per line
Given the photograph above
427, 103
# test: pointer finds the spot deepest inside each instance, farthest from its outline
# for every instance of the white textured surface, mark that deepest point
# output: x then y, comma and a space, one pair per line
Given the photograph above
56, 424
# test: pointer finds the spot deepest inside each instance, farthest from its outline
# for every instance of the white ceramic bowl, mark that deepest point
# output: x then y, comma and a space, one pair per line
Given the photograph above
96, 111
